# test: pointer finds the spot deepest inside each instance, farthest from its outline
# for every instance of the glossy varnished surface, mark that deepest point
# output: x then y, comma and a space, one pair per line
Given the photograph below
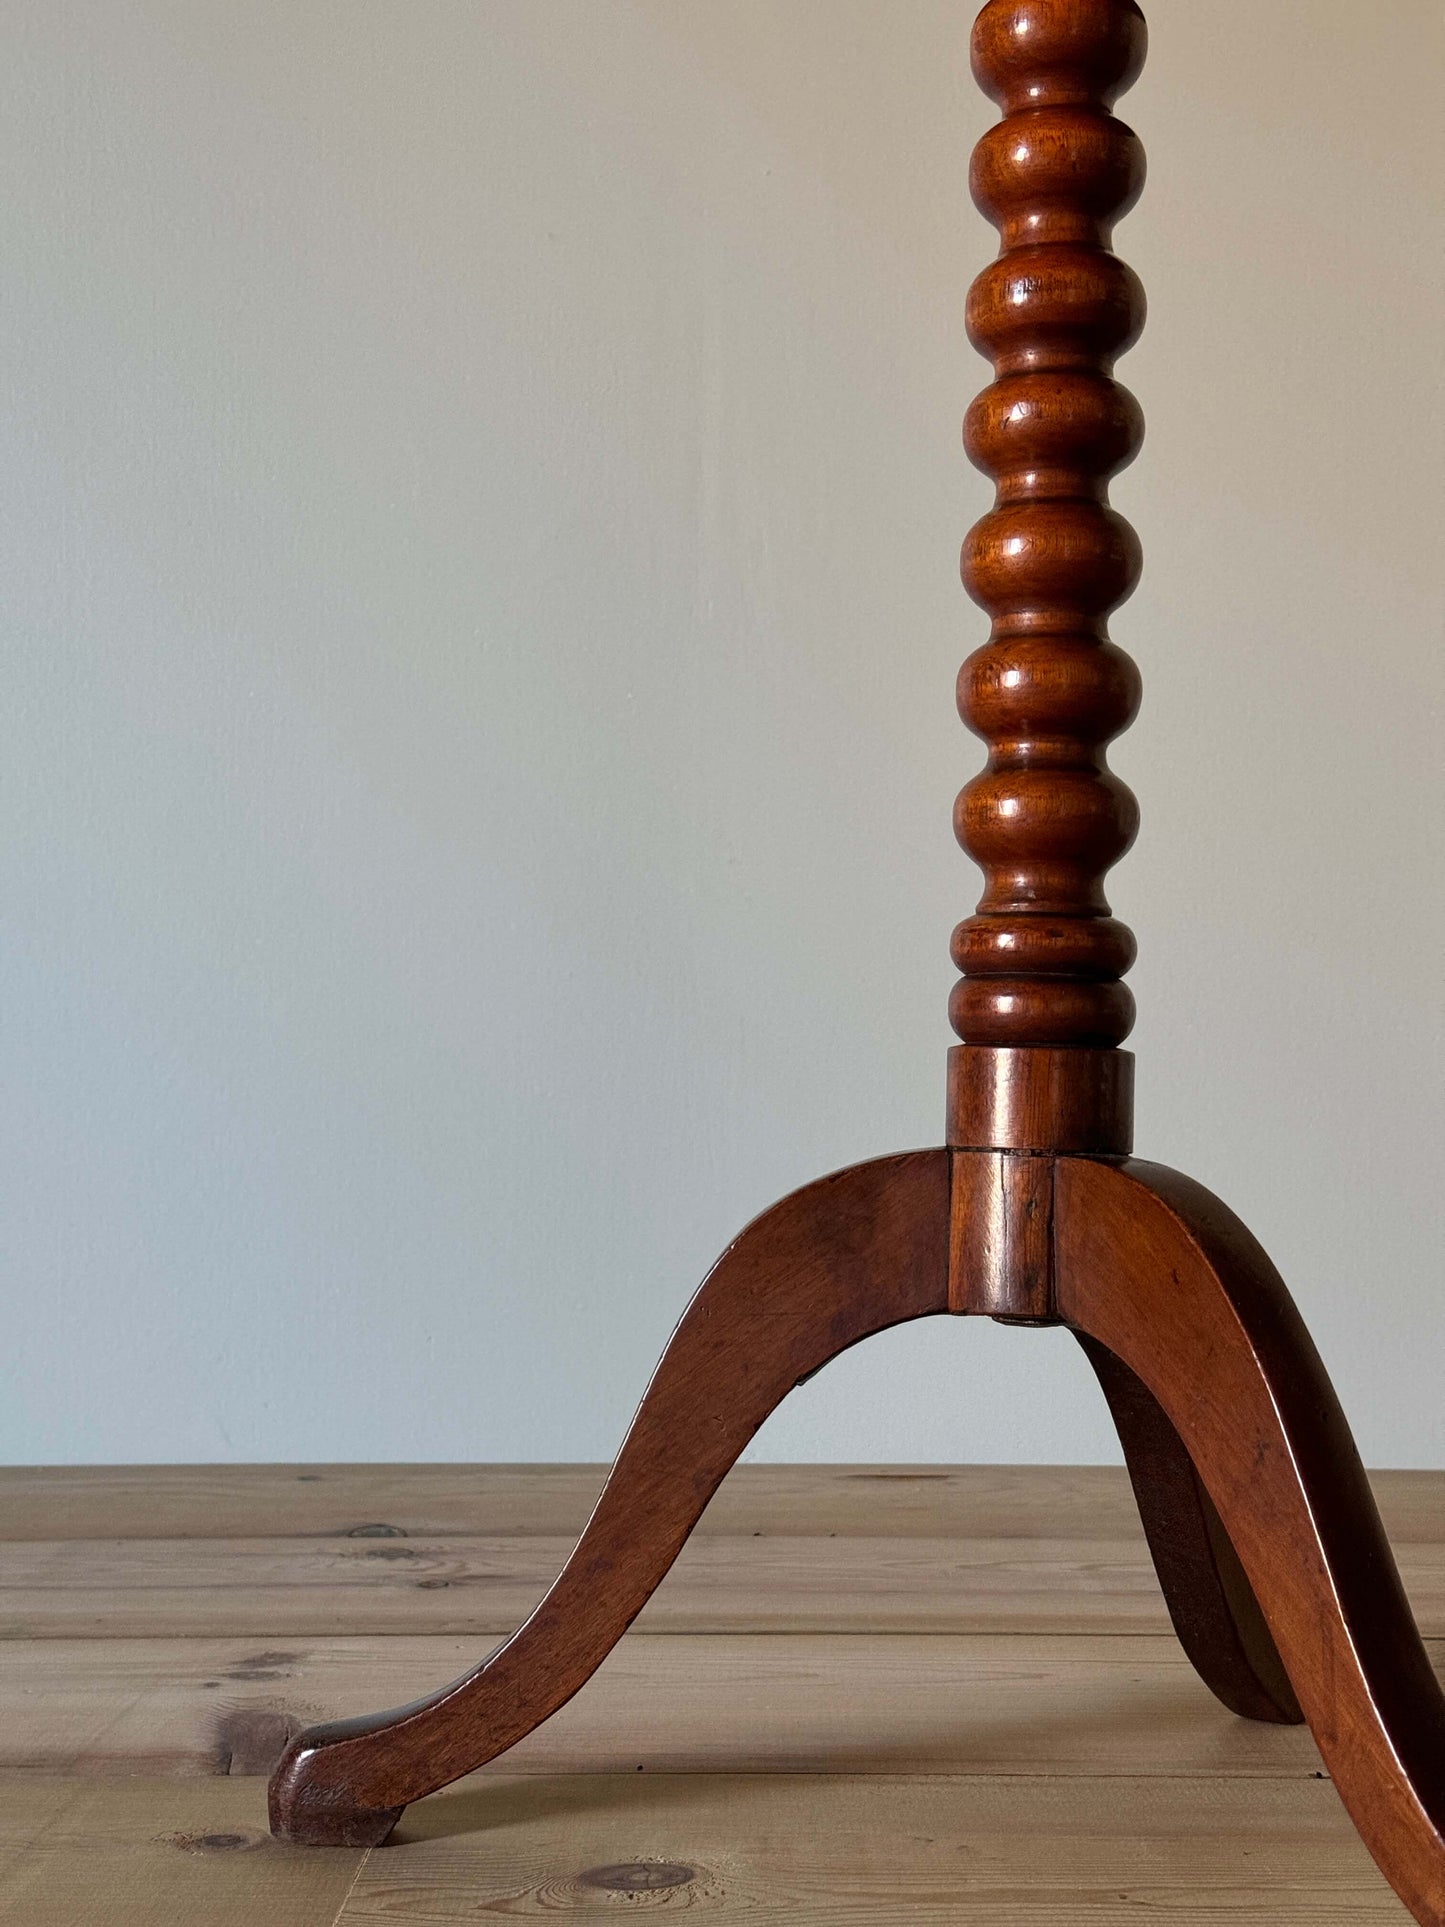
845, 1257
1233, 1436
1041, 959
1211, 1602
1034, 1099
1159, 1273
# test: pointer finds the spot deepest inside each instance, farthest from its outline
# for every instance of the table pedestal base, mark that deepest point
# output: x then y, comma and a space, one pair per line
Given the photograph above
1264, 1531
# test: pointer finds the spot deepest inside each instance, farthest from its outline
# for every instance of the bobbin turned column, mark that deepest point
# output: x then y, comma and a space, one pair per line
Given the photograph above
1265, 1535
1041, 1006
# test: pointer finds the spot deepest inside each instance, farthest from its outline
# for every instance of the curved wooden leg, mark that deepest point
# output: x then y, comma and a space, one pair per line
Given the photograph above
845, 1257
1209, 1597
1157, 1271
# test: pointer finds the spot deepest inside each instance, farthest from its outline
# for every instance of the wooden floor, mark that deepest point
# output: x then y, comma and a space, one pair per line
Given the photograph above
865, 1695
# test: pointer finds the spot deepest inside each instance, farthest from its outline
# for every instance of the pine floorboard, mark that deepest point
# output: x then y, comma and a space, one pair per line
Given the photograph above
867, 1694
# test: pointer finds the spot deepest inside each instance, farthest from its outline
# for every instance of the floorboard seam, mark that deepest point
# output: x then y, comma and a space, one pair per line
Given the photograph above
346, 1897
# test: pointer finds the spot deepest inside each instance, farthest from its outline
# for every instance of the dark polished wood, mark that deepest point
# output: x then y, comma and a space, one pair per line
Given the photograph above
1042, 959
1161, 1274
1266, 1539
1001, 1238
1041, 1100
852, 1254
1210, 1600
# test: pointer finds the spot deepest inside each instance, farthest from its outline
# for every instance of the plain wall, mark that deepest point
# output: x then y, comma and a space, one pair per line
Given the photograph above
481, 497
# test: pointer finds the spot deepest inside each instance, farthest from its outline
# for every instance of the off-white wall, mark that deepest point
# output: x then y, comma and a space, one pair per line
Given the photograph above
481, 498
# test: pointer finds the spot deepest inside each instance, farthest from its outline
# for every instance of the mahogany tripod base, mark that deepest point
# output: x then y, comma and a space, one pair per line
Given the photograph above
1274, 1563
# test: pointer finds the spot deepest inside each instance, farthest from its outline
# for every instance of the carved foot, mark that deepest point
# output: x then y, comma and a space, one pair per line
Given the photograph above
847, 1256
310, 1812
1159, 1273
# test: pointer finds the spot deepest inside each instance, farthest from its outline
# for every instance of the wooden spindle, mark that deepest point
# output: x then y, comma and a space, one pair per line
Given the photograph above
1041, 1005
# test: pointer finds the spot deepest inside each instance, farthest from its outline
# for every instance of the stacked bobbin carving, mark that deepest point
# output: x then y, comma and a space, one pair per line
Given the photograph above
1042, 958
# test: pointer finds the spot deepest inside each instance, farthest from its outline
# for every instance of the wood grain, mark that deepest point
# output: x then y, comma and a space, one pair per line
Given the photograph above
1001, 1236
1036, 1100
1155, 1269
1042, 960
803, 1852
1146, 1267
269, 1588
197, 1502
1086, 1777
794, 1703
851, 1255
793, 1851
1210, 1600
177, 1854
